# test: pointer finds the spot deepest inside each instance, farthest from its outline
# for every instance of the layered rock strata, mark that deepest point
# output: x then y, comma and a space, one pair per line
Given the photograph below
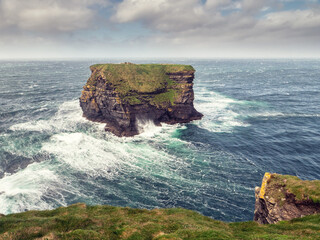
284, 197
122, 95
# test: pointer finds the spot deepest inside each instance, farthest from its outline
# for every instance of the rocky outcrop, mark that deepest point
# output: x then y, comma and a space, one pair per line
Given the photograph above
121, 95
284, 197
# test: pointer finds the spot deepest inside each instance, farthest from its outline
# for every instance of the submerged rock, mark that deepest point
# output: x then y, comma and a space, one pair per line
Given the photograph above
14, 163
284, 197
121, 95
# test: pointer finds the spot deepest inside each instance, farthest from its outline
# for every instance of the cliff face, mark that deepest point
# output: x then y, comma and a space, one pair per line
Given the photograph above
120, 95
284, 197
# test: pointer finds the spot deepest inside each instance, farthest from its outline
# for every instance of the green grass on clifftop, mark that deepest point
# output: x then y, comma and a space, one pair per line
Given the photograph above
303, 190
136, 82
106, 222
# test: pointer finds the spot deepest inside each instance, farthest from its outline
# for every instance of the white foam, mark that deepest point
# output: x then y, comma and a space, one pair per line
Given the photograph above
33, 86
281, 114
24, 189
147, 128
84, 153
102, 154
145, 159
218, 115
67, 118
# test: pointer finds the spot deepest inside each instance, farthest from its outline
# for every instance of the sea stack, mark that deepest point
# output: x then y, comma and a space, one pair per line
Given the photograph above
284, 197
121, 95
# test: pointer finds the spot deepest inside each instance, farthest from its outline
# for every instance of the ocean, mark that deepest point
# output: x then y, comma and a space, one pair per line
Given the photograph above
259, 116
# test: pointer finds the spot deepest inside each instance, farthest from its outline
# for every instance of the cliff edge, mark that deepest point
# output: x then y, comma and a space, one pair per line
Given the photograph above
284, 197
82, 222
121, 95
281, 197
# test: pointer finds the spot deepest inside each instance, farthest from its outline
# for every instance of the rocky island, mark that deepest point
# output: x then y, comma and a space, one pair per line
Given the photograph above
121, 95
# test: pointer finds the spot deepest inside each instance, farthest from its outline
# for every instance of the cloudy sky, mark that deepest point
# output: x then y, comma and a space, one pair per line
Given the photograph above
159, 28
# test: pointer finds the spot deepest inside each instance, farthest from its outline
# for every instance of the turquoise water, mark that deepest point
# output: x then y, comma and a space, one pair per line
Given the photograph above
259, 115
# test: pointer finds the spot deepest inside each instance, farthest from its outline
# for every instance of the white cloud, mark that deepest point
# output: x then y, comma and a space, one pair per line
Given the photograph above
47, 15
186, 15
189, 20
296, 20
214, 4
161, 27
161, 14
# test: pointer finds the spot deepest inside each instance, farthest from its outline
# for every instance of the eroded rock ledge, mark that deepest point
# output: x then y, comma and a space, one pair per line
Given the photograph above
284, 197
120, 95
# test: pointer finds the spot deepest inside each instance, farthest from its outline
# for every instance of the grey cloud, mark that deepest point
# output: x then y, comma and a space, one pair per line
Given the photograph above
45, 28
47, 15
180, 15
162, 14
187, 20
213, 27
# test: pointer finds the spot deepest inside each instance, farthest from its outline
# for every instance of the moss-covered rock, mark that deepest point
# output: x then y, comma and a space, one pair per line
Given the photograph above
119, 94
284, 197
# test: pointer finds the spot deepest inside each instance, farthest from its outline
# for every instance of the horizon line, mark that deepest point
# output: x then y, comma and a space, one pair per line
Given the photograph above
154, 58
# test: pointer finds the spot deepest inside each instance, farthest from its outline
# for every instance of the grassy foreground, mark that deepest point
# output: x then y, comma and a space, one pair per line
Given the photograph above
79, 221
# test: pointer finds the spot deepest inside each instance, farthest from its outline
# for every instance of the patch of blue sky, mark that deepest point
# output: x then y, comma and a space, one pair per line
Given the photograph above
295, 5
228, 11
130, 31
287, 5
